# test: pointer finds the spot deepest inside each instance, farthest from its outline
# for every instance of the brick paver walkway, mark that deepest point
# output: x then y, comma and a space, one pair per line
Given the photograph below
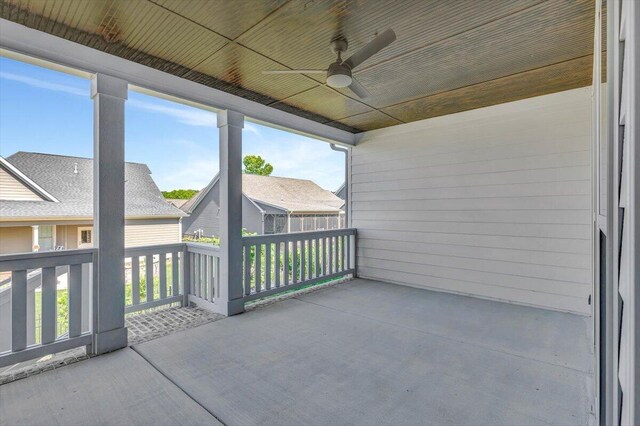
142, 327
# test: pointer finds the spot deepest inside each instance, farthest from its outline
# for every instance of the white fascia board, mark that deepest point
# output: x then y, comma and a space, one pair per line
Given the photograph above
25, 180
40, 45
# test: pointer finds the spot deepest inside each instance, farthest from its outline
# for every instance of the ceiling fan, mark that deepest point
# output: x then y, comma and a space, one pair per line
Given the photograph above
339, 73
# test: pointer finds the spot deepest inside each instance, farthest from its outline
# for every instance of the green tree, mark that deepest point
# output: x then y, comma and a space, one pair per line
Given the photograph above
256, 165
179, 194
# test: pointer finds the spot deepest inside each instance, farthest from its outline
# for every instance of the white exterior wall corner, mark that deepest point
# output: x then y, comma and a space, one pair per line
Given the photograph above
493, 203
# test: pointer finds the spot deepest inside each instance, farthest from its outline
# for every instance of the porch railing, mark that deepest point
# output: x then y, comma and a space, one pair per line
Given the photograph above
171, 274
203, 272
28, 272
48, 303
152, 276
282, 262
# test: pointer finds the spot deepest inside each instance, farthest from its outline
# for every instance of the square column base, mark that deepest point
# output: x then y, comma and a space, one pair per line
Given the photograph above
110, 341
231, 307
219, 306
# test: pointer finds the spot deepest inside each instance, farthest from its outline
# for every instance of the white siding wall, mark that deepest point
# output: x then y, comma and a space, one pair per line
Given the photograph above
15, 239
151, 232
12, 189
493, 202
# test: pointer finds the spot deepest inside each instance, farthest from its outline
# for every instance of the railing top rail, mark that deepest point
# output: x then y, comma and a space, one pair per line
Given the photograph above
18, 261
155, 249
294, 236
46, 254
203, 248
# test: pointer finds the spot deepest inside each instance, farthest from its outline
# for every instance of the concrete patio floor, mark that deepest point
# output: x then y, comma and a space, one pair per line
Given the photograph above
360, 353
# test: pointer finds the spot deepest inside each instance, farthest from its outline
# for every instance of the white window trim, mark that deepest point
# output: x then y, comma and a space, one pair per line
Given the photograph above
84, 228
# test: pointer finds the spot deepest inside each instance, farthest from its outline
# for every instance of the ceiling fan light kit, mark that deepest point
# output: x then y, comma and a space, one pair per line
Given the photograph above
339, 73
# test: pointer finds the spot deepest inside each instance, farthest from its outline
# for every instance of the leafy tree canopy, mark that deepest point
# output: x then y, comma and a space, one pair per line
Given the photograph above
256, 165
179, 194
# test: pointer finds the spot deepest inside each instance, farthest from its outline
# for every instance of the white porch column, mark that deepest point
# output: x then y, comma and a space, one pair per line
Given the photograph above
230, 300
35, 237
109, 94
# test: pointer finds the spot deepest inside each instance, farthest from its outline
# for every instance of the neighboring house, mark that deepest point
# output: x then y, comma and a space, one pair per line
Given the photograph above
176, 202
270, 205
46, 203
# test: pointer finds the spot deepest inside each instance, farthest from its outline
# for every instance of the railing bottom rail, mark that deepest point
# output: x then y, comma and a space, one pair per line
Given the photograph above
290, 287
38, 351
277, 263
154, 304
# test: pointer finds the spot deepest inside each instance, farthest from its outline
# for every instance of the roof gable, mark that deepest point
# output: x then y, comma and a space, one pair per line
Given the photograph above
289, 194
15, 185
70, 181
294, 195
193, 202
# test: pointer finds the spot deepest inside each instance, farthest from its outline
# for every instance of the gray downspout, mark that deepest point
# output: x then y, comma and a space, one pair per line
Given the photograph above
346, 182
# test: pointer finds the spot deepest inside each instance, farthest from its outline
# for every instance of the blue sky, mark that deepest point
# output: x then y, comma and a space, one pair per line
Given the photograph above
42, 110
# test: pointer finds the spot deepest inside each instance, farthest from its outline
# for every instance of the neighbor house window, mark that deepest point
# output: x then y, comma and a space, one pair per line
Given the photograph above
85, 236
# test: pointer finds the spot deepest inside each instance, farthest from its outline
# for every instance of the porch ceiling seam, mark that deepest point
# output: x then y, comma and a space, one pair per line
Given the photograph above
244, 46
434, 43
34, 43
481, 82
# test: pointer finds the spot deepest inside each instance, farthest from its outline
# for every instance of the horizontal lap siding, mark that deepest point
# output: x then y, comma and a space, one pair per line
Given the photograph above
12, 189
205, 217
493, 203
67, 236
148, 233
15, 239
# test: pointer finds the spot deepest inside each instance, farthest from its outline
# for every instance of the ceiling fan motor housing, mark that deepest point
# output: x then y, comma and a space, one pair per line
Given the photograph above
338, 75
339, 45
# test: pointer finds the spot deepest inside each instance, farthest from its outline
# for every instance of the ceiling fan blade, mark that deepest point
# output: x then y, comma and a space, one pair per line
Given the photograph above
359, 89
294, 72
371, 48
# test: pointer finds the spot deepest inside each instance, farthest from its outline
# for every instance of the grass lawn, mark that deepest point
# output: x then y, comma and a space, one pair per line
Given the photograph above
62, 313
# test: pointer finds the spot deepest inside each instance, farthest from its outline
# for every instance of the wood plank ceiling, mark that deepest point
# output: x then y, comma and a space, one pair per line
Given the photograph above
450, 55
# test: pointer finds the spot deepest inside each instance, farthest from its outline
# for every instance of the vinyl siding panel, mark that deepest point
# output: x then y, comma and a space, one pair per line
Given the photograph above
206, 215
493, 203
15, 239
137, 233
151, 232
67, 236
12, 189
251, 217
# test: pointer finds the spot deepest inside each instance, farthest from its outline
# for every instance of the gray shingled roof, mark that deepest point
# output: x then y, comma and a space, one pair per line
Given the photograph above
55, 174
176, 202
293, 195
